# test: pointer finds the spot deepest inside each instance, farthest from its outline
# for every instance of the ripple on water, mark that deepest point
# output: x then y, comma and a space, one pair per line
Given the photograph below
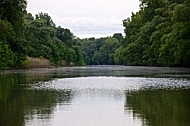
113, 83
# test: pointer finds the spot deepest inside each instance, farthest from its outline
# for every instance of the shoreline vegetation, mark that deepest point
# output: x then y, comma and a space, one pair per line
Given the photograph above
33, 62
38, 63
157, 35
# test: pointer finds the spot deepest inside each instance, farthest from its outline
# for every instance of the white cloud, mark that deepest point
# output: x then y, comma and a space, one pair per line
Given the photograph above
87, 17
90, 24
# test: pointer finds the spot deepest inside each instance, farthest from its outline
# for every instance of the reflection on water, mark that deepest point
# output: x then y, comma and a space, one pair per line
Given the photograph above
160, 107
40, 105
94, 96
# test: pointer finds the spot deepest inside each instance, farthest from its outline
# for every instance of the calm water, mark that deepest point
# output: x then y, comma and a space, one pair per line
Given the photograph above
95, 96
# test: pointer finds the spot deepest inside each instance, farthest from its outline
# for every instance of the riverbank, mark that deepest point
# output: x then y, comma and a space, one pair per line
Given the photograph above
39, 63
114, 70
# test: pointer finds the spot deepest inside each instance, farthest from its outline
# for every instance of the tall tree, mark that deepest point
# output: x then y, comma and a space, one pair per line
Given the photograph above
12, 29
157, 35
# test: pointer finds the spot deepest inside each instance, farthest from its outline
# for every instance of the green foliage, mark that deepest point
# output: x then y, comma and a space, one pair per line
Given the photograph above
23, 35
157, 35
101, 51
6, 30
11, 32
65, 36
7, 57
54, 43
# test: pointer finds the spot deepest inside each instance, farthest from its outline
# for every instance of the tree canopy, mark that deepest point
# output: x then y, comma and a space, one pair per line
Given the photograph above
11, 32
158, 34
101, 51
22, 35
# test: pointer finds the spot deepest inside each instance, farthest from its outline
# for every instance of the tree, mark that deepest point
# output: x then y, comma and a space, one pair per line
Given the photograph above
48, 41
65, 36
157, 35
7, 57
12, 29
101, 51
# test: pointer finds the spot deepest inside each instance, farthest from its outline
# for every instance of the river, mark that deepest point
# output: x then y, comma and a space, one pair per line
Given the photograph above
95, 96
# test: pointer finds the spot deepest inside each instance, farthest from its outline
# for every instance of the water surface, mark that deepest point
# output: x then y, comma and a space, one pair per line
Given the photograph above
95, 96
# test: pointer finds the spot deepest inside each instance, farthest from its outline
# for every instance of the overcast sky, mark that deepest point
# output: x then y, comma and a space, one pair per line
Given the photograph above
87, 18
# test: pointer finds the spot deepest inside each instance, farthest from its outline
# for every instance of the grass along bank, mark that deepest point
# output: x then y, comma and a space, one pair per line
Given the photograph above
38, 62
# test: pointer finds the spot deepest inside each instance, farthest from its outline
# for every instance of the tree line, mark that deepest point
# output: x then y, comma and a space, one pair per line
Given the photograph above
101, 51
22, 34
57, 44
157, 35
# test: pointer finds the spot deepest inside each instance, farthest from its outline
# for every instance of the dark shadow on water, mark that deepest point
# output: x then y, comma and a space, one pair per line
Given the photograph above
160, 107
18, 103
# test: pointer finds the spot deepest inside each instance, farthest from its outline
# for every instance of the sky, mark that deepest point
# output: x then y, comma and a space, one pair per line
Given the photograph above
87, 18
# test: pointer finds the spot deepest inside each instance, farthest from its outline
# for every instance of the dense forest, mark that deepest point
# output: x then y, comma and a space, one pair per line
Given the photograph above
45, 40
101, 51
157, 35
22, 36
